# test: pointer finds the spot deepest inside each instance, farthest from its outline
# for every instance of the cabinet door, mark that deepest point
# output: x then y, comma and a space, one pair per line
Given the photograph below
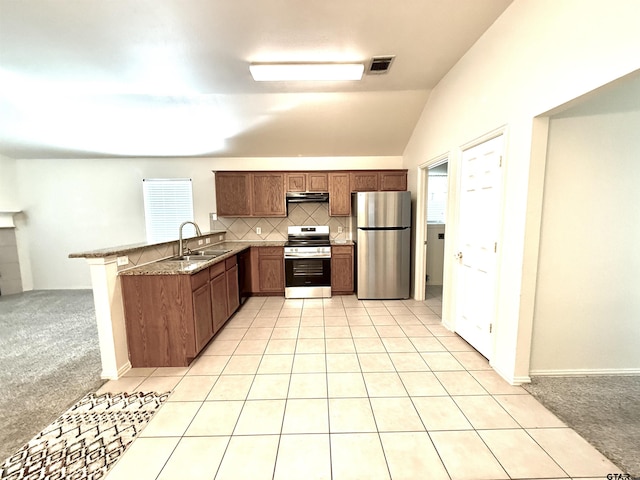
219, 301
271, 272
317, 182
342, 269
339, 194
202, 316
393, 181
233, 194
233, 296
268, 195
296, 182
364, 181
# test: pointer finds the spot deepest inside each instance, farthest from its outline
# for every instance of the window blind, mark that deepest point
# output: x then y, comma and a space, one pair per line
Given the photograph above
167, 203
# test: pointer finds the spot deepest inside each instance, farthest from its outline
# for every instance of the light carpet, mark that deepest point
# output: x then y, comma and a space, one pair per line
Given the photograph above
49, 358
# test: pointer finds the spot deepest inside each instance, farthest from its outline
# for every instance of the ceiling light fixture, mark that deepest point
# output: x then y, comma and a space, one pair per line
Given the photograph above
279, 72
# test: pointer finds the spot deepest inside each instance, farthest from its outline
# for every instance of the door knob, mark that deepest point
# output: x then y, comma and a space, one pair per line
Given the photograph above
458, 256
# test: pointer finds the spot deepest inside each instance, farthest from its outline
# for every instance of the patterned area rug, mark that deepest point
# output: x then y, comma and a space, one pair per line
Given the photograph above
86, 440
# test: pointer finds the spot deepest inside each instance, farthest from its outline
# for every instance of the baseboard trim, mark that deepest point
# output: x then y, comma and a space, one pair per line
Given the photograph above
585, 372
511, 380
121, 371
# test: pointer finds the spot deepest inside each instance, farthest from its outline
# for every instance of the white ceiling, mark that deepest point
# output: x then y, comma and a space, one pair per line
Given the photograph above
148, 78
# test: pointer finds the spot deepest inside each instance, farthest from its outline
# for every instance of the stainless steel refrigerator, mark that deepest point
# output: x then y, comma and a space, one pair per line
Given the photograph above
382, 226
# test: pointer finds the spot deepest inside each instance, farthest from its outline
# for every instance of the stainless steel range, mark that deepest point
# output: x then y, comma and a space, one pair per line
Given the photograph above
307, 262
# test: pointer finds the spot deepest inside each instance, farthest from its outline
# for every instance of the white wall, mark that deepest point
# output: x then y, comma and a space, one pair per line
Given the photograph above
536, 56
8, 186
587, 304
84, 204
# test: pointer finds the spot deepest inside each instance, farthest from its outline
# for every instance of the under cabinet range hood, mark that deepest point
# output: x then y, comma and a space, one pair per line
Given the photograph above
304, 197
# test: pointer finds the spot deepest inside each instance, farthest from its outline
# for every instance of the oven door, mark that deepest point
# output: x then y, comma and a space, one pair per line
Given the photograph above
307, 277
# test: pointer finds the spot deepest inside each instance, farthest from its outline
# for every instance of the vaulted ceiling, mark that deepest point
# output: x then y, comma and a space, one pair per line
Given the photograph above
149, 78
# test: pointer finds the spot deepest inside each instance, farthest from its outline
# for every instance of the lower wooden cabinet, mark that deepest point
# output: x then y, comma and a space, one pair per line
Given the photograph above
233, 292
218, 291
342, 269
171, 318
267, 270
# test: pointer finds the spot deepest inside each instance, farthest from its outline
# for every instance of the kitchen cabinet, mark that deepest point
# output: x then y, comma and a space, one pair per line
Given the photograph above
267, 270
233, 194
296, 182
317, 182
263, 194
218, 292
307, 182
364, 181
393, 180
339, 194
342, 269
171, 318
202, 314
268, 195
233, 293
246, 194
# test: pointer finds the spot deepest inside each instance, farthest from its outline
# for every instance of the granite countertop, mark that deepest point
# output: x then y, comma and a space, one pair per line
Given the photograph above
126, 249
182, 267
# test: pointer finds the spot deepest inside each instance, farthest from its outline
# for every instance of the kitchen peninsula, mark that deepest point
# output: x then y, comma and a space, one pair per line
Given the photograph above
105, 266
153, 309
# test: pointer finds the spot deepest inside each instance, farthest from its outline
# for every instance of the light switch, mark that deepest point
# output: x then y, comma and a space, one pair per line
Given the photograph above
259, 230
122, 261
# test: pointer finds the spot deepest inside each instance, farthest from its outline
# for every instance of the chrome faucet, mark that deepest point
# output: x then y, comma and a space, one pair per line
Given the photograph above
181, 246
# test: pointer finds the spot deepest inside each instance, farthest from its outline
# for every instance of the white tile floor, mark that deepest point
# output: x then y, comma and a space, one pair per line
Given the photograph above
346, 389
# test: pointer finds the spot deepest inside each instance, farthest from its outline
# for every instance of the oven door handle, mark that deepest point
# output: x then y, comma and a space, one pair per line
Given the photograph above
306, 255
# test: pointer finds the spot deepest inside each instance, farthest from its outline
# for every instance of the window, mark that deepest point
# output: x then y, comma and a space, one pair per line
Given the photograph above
437, 201
167, 203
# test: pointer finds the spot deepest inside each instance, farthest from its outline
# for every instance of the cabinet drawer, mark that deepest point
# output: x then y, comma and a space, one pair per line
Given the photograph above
270, 251
230, 262
217, 269
341, 249
199, 279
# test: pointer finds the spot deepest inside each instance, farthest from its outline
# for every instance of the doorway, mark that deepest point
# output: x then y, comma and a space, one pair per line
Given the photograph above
437, 191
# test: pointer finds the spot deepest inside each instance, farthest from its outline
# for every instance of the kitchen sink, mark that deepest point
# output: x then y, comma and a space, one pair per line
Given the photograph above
215, 253
193, 258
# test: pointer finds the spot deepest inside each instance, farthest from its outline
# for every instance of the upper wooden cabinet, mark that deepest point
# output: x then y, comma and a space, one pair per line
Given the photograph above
263, 193
339, 194
378, 180
268, 196
250, 194
296, 182
364, 181
393, 181
307, 182
233, 194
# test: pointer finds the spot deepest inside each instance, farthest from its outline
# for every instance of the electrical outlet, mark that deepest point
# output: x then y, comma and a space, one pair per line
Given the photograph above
214, 217
339, 229
259, 230
208, 240
200, 242
220, 237
122, 261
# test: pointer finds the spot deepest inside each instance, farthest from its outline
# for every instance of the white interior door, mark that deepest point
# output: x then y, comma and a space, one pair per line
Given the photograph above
479, 217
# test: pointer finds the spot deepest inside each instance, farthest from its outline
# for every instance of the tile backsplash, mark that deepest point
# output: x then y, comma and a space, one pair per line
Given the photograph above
275, 228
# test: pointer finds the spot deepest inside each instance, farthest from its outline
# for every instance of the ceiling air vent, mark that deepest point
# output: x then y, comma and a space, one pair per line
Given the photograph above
380, 64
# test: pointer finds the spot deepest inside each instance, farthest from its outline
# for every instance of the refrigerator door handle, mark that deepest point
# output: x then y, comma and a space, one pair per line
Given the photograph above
383, 228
